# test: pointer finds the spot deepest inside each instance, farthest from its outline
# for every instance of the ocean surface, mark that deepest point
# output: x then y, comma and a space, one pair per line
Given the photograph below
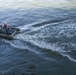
46, 44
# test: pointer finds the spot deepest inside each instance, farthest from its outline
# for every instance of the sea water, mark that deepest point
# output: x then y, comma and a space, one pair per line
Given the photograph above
46, 44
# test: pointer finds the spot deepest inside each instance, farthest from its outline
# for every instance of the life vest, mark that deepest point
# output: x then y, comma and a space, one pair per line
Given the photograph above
5, 25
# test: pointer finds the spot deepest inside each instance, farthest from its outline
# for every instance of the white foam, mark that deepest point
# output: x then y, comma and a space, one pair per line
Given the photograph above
65, 55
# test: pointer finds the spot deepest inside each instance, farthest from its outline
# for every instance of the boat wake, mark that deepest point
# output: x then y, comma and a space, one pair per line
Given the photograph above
57, 38
47, 35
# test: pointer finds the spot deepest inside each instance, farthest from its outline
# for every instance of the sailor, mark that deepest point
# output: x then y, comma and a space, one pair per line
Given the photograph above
6, 28
1, 30
5, 25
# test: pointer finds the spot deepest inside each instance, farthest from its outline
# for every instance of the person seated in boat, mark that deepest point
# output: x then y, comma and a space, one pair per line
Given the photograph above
6, 28
5, 25
1, 29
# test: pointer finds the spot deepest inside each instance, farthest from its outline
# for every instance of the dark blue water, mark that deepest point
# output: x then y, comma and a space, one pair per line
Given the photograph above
46, 44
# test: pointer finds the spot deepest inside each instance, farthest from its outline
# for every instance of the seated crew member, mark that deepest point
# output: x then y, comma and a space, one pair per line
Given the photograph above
5, 25
6, 28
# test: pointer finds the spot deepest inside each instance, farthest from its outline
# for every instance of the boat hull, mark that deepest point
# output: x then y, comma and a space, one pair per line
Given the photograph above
11, 36
4, 36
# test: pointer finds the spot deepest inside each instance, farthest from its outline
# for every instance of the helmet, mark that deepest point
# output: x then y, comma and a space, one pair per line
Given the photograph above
4, 22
